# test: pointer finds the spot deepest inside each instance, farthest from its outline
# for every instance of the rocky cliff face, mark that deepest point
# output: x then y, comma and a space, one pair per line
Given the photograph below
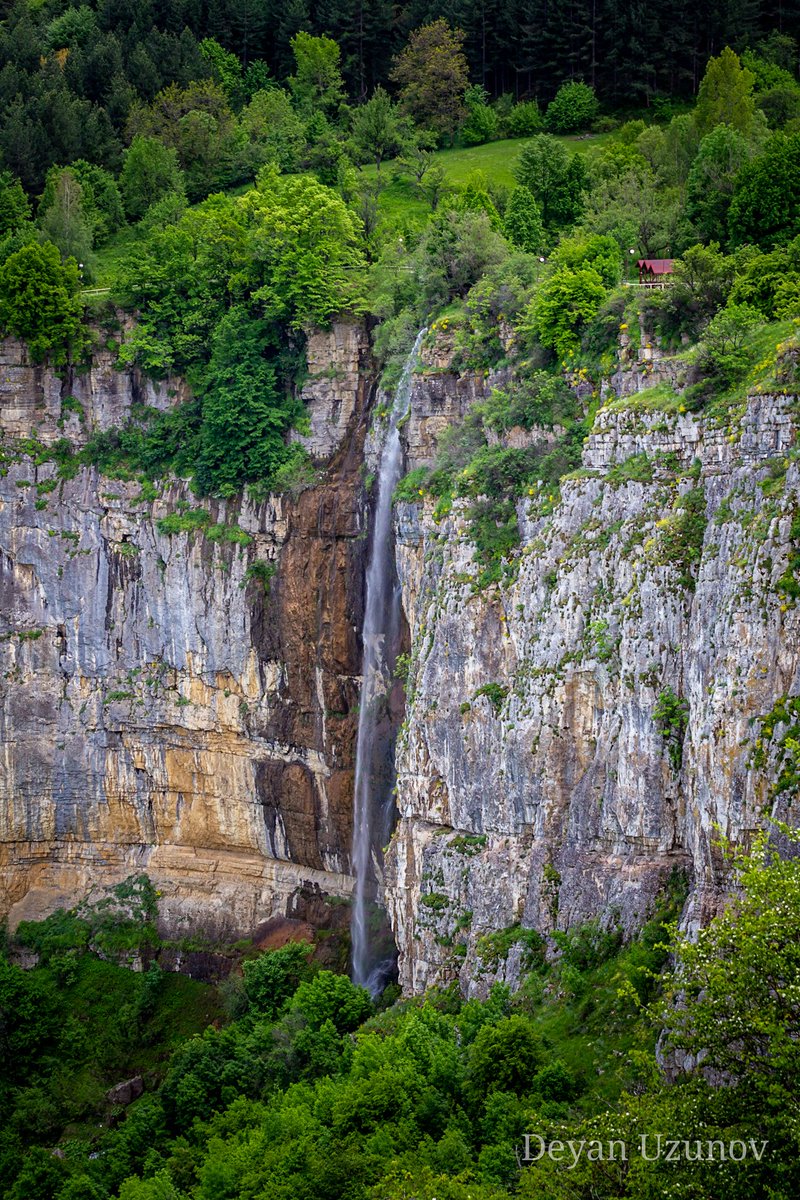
537, 786
184, 703
181, 704
36, 401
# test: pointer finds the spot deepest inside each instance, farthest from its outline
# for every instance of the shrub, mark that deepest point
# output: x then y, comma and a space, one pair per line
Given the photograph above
482, 122
272, 979
725, 354
574, 107
671, 716
585, 947
261, 571
409, 488
636, 469
681, 536
537, 398
505, 1057
186, 521
564, 305
495, 693
524, 119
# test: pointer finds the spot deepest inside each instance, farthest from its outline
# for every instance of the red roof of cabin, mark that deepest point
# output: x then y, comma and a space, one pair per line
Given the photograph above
659, 266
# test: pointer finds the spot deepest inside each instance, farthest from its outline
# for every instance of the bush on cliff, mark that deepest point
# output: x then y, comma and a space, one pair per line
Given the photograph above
39, 302
223, 296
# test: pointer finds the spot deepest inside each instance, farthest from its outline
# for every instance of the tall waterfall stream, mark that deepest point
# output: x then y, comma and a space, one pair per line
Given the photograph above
374, 776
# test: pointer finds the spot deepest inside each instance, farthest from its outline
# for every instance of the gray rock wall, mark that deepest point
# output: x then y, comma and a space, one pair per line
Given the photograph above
161, 708
551, 798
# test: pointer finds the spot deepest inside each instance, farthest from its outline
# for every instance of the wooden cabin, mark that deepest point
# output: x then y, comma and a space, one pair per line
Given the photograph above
654, 272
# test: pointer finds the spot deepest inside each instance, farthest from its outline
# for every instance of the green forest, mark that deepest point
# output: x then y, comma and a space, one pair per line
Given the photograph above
238, 210
192, 187
287, 1082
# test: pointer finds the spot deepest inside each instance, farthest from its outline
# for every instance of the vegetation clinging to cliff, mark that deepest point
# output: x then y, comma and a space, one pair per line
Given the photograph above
222, 295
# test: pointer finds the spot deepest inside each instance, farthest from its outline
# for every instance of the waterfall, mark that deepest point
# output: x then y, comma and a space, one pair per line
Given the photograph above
374, 748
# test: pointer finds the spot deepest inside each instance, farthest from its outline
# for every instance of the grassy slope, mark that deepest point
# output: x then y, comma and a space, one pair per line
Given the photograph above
762, 345
109, 1044
495, 159
397, 201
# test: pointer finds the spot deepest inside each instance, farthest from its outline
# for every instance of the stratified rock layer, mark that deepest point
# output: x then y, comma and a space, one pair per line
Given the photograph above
535, 783
164, 707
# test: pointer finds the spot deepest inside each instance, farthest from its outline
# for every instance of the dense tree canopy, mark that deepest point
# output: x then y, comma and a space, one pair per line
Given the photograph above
709, 187
304, 1087
39, 301
432, 74
150, 171
555, 179
71, 79
766, 196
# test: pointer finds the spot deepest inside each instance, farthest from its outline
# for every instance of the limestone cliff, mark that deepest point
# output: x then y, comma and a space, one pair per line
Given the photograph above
177, 703
183, 703
536, 785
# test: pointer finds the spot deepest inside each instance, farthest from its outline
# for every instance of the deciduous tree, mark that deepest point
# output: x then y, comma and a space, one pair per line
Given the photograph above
14, 207
766, 197
481, 124
378, 130
432, 75
573, 108
150, 171
556, 180
734, 1004
709, 188
564, 304
274, 131
522, 221
198, 124
39, 302
64, 220
317, 83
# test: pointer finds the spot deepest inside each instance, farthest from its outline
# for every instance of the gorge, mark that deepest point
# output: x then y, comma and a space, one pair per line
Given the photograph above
170, 707
399, 594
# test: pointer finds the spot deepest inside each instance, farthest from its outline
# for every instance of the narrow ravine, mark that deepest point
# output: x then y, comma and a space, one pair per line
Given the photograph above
374, 758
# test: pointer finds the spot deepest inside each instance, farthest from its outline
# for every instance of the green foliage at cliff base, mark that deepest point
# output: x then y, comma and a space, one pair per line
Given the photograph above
307, 1089
305, 1069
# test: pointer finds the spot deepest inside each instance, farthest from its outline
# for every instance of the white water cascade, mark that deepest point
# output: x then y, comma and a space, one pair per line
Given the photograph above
374, 773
